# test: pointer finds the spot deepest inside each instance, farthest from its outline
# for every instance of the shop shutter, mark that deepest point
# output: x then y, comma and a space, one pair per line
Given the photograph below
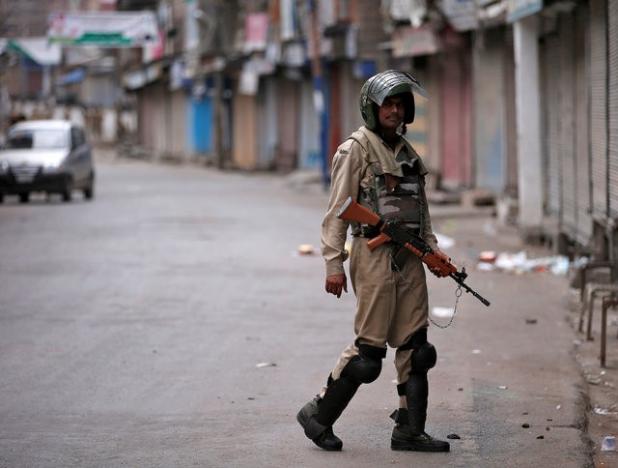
598, 107
582, 133
288, 92
489, 99
551, 119
511, 117
267, 124
613, 109
566, 85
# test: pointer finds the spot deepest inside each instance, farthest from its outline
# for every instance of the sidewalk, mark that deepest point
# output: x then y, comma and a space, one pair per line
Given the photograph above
520, 348
601, 383
597, 405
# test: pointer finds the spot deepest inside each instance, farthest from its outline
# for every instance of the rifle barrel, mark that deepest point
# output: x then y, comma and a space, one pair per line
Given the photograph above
470, 290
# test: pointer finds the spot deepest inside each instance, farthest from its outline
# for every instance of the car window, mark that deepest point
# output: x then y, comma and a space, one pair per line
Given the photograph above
75, 142
37, 139
82, 135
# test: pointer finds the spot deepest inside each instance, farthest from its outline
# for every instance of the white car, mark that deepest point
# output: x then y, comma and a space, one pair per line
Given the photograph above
49, 156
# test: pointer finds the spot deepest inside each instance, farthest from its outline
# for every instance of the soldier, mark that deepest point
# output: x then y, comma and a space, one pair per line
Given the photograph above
377, 167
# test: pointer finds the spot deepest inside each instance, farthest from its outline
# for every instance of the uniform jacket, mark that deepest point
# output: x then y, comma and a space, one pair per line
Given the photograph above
351, 170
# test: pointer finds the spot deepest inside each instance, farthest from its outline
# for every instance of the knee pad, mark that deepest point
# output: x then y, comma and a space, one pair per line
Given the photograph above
366, 367
424, 358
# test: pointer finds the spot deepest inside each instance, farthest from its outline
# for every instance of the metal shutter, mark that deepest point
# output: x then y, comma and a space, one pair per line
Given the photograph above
582, 134
613, 108
511, 118
598, 107
551, 75
566, 85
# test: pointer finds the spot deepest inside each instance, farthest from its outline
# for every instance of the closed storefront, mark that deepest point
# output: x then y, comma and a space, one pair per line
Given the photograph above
582, 129
573, 112
456, 111
245, 144
309, 132
152, 101
200, 125
550, 77
350, 92
566, 139
288, 106
490, 100
177, 125
433, 157
267, 124
334, 109
612, 15
598, 107
512, 172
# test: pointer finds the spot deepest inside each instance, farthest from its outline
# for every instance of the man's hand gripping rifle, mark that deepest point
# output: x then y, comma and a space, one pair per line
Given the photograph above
394, 232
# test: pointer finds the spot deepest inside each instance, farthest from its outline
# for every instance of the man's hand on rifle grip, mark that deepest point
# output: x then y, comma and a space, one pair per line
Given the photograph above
441, 272
336, 283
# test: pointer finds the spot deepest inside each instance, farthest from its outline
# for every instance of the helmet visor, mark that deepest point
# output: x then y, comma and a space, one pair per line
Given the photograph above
390, 84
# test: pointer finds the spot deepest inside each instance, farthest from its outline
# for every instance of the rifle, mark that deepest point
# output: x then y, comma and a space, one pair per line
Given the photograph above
393, 230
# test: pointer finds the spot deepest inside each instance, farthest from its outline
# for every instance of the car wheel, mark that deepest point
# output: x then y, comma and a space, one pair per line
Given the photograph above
24, 197
67, 192
1, 198
89, 190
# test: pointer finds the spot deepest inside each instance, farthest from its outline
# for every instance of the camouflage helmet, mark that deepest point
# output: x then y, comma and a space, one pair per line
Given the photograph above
388, 83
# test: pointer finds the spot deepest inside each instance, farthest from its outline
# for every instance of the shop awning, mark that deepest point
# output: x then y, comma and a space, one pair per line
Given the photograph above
37, 49
104, 29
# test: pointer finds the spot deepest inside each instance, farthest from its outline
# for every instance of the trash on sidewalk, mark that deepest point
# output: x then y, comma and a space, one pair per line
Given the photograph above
531, 321
476, 351
608, 444
540, 437
603, 411
306, 249
525, 425
453, 436
511, 262
520, 263
502, 387
488, 256
260, 365
442, 312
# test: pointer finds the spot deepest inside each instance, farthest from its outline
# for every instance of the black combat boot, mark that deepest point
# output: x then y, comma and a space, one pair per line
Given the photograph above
408, 436
321, 435
409, 433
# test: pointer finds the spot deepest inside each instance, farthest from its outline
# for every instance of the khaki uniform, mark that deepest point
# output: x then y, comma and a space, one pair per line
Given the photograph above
391, 305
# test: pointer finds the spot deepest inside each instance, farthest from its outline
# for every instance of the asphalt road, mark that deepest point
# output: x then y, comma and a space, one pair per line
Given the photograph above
131, 328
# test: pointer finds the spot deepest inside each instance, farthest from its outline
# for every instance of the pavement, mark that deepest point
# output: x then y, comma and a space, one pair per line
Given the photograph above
172, 322
601, 383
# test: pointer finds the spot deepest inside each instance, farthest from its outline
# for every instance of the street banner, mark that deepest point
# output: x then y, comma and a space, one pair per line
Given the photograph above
518, 9
409, 42
103, 29
36, 49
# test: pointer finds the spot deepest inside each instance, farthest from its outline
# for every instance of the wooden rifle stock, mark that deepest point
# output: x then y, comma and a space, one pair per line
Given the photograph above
352, 211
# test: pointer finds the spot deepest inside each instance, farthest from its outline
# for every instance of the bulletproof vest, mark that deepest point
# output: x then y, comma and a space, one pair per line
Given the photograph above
394, 197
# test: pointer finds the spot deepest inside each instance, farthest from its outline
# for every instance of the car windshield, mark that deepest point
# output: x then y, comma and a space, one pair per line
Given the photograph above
37, 139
